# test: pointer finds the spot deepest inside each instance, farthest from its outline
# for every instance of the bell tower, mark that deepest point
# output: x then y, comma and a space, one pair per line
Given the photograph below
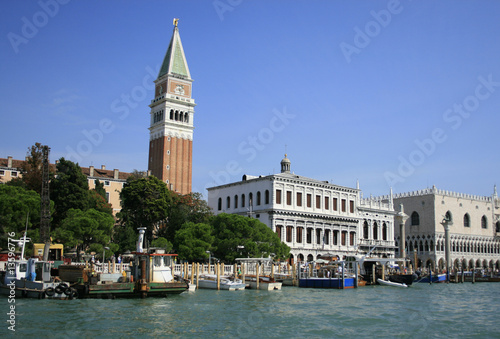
172, 114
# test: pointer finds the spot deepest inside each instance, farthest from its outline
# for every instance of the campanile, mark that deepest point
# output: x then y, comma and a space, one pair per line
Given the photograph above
171, 127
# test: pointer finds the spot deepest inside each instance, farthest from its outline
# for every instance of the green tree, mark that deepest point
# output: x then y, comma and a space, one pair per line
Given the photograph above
69, 190
232, 231
31, 169
161, 242
125, 237
193, 240
16, 204
186, 208
146, 202
81, 229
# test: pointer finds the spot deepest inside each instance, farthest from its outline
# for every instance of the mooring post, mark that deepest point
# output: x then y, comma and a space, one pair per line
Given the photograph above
257, 274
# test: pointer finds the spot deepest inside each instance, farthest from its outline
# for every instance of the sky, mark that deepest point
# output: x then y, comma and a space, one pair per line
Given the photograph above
402, 94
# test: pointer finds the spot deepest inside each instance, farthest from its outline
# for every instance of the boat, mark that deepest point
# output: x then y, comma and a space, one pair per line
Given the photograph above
210, 281
32, 278
402, 278
390, 283
434, 278
329, 276
265, 283
149, 275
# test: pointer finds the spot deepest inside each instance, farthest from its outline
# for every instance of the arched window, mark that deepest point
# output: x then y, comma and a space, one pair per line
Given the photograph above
497, 227
484, 222
466, 220
258, 198
186, 117
219, 204
267, 197
176, 116
242, 200
250, 199
236, 201
365, 230
171, 114
415, 219
375, 231
384, 231
228, 202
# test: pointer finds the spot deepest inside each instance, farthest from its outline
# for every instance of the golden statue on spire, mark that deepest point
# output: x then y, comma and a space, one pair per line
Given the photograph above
176, 21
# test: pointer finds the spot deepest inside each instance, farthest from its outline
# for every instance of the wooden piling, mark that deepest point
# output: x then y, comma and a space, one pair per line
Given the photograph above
197, 274
218, 276
243, 272
272, 271
374, 278
257, 274
383, 272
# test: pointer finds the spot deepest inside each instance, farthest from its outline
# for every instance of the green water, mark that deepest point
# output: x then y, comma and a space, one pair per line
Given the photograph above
438, 310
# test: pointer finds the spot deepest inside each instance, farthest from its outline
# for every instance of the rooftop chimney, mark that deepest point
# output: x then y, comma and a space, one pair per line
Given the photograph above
91, 170
9, 162
103, 167
115, 173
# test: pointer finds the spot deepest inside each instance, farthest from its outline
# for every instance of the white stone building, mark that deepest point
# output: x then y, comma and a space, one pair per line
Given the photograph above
312, 217
474, 232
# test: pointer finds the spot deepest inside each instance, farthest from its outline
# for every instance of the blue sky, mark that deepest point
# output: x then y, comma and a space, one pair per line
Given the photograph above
402, 94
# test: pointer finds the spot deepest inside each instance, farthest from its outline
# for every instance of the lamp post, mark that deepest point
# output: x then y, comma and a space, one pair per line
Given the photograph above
208, 259
401, 218
240, 249
104, 258
446, 224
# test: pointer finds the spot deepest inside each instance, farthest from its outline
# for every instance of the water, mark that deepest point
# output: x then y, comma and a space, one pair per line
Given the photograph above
438, 310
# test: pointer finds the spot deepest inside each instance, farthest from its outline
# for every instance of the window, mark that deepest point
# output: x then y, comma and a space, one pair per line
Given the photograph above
351, 238
344, 202
219, 204
309, 235
365, 230
278, 231
235, 201
107, 196
278, 196
242, 200
415, 219
335, 203
288, 197
384, 231
375, 231
335, 237
289, 230
466, 220
344, 237
327, 237
484, 222
318, 236
351, 206
309, 200
299, 234
2, 172
327, 203
106, 183
250, 199
498, 226
258, 198
228, 202
13, 174
267, 197
299, 199
318, 201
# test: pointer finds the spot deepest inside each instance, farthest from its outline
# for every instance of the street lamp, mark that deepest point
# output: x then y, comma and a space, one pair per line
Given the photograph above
240, 249
402, 217
208, 259
104, 257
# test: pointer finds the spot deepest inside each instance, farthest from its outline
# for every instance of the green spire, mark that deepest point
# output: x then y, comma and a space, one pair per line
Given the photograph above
175, 60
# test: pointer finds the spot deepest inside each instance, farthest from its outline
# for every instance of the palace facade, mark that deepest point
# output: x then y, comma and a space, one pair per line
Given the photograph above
314, 218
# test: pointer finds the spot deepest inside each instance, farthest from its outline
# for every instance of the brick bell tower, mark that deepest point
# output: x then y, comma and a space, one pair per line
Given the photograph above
172, 113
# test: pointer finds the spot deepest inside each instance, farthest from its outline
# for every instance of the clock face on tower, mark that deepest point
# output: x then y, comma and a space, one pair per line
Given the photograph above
179, 88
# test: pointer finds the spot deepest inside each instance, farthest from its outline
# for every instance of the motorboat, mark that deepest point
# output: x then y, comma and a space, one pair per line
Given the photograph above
390, 283
209, 281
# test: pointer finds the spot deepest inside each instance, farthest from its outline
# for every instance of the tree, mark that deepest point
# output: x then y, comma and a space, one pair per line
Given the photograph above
69, 190
232, 231
125, 237
31, 169
146, 202
81, 229
193, 240
186, 208
163, 243
16, 204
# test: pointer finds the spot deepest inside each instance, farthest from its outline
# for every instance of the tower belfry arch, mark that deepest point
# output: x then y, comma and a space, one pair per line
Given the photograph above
172, 116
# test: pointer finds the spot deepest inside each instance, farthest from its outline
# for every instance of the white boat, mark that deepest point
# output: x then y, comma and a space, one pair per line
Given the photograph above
210, 281
390, 283
265, 283
32, 279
